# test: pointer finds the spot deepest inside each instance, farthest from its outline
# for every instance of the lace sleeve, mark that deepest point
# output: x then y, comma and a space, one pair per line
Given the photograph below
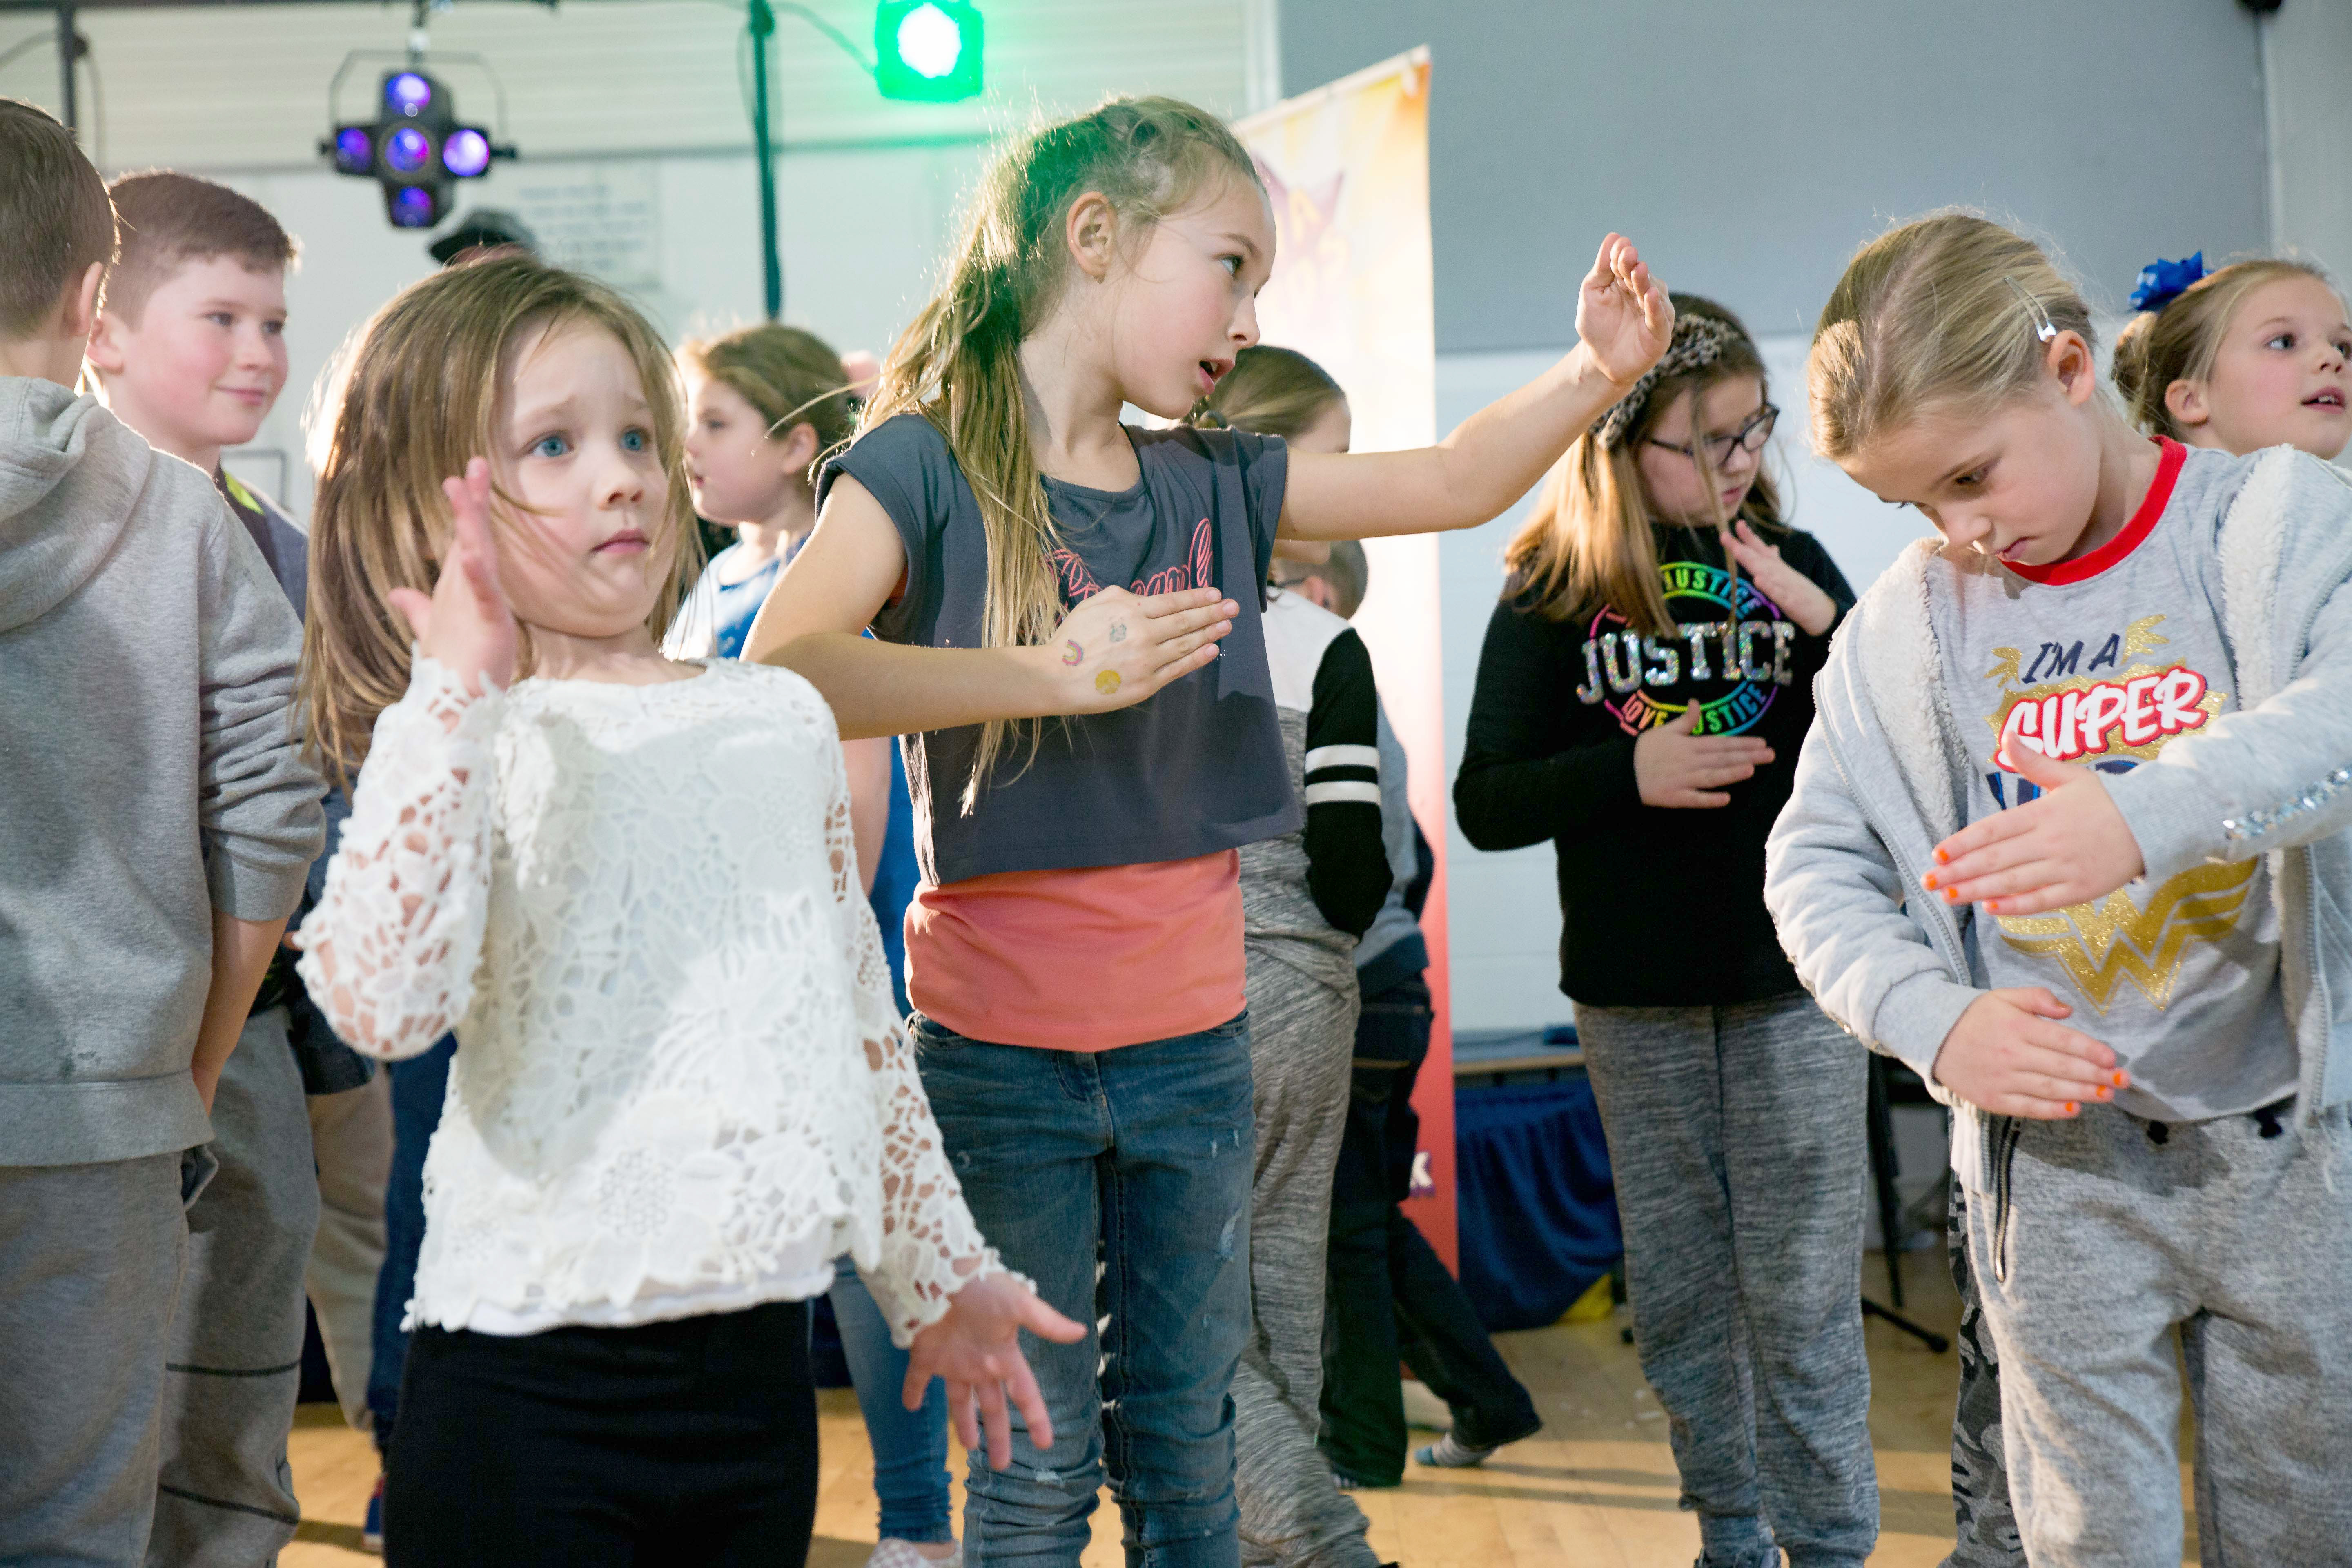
389, 954
931, 1246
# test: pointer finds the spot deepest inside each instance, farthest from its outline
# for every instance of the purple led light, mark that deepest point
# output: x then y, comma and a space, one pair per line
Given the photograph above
407, 150
413, 207
355, 149
466, 153
408, 93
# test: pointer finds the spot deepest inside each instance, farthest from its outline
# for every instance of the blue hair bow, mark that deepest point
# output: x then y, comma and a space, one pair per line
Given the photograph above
2161, 282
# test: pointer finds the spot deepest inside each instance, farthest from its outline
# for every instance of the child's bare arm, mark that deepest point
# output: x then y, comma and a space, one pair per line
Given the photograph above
1623, 322
1112, 651
869, 802
241, 953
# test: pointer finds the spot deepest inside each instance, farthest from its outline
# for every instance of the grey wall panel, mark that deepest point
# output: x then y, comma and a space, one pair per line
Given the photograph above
1750, 146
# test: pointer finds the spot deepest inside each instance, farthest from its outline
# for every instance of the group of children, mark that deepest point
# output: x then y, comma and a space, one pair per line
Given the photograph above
1083, 1166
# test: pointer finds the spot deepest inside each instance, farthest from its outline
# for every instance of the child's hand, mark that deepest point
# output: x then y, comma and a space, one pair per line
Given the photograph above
466, 624
2068, 847
1673, 767
2006, 1055
977, 1348
1623, 319
1800, 598
1115, 650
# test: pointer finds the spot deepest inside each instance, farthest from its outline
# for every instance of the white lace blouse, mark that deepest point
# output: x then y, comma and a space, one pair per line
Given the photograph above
680, 1085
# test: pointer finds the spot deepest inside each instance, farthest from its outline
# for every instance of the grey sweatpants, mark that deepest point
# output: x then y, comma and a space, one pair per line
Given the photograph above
226, 1499
2098, 1244
1302, 1051
1740, 1143
90, 1265
351, 1139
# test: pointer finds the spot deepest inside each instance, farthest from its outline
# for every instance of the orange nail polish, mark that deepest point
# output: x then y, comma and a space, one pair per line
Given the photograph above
2118, 1080
1930, 881
1992, 906
2072, 1108
2105, 1093
1943, 857
1951, 895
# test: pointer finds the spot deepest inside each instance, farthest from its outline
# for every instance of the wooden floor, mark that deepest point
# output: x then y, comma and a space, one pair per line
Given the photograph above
1596, 1488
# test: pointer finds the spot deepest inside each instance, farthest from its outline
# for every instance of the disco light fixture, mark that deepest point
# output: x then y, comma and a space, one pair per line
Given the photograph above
415, 148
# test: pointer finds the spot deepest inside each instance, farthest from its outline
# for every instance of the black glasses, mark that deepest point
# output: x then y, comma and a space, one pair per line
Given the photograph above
1749, 437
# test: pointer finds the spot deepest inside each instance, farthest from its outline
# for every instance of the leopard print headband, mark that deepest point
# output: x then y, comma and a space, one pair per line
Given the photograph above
1698, 341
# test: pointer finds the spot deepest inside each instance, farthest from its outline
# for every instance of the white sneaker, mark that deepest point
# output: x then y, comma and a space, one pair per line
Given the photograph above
893, 1553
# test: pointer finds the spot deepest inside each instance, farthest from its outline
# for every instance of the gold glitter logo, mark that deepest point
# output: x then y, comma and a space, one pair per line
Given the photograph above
2100, 945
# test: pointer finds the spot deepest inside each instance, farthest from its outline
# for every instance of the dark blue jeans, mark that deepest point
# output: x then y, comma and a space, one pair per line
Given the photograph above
1120, 1182
419, 1084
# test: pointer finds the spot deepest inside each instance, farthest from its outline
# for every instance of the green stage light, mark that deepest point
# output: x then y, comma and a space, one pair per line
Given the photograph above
927, 50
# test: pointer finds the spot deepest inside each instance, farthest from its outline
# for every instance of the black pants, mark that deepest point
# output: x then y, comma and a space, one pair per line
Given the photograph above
1389, 1297
691, 1442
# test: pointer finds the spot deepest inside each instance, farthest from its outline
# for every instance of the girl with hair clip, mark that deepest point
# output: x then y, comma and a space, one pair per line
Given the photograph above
2070, 838
2247, 357
1074, 953
764, 405
629, 884
1306, 897
1645, 683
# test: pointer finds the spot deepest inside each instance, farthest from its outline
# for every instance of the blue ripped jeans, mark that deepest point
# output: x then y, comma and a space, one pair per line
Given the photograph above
1120, 1182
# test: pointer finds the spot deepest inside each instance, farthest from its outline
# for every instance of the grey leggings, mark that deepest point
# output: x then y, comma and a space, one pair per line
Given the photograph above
1737, 1138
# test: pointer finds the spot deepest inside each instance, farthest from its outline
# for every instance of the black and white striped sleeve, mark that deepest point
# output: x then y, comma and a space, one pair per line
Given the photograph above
1347, 871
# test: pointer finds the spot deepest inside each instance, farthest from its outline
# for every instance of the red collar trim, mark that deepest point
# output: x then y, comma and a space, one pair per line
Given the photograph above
2082, 569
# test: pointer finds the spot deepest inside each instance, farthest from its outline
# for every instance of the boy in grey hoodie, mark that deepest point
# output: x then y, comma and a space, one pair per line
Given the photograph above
2089, 758
155, 826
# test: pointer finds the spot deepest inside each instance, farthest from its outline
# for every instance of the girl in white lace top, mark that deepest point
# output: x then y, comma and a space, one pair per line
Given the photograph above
630, 885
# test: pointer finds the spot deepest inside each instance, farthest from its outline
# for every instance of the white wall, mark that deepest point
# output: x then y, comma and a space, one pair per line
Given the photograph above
639, 100
860, 232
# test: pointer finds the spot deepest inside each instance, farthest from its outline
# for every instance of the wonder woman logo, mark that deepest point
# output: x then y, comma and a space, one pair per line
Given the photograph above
2102, 945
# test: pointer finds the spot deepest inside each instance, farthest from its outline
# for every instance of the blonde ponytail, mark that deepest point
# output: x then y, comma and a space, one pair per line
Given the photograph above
959, 364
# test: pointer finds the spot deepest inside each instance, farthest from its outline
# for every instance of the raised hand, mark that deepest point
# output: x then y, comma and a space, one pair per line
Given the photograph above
1115, 650
1623, 319
1800, 598
1673, 767
466, 624
2008, 1054
2070, 846
976, 1348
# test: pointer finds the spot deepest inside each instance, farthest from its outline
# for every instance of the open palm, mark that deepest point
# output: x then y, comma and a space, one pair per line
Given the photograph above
1622, 315
466, 624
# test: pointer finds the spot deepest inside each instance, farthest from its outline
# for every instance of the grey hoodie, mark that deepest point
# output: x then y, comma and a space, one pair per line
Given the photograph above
149, 775
1879, 784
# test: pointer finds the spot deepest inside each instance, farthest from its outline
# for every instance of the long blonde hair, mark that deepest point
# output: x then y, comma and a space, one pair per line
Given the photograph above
1589, 540
1945, 314
958, 364
419, 391
2181, 340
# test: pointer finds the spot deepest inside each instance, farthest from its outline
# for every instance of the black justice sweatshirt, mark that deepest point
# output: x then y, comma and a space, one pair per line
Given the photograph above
1661, 907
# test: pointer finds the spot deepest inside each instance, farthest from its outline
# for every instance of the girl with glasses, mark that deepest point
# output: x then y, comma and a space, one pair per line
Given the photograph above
1645, 682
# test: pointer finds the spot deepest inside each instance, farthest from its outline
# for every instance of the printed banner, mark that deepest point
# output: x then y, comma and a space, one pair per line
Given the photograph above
1348, 168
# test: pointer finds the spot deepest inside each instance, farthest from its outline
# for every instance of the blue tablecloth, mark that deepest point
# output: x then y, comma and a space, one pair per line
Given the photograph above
1536, 1212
